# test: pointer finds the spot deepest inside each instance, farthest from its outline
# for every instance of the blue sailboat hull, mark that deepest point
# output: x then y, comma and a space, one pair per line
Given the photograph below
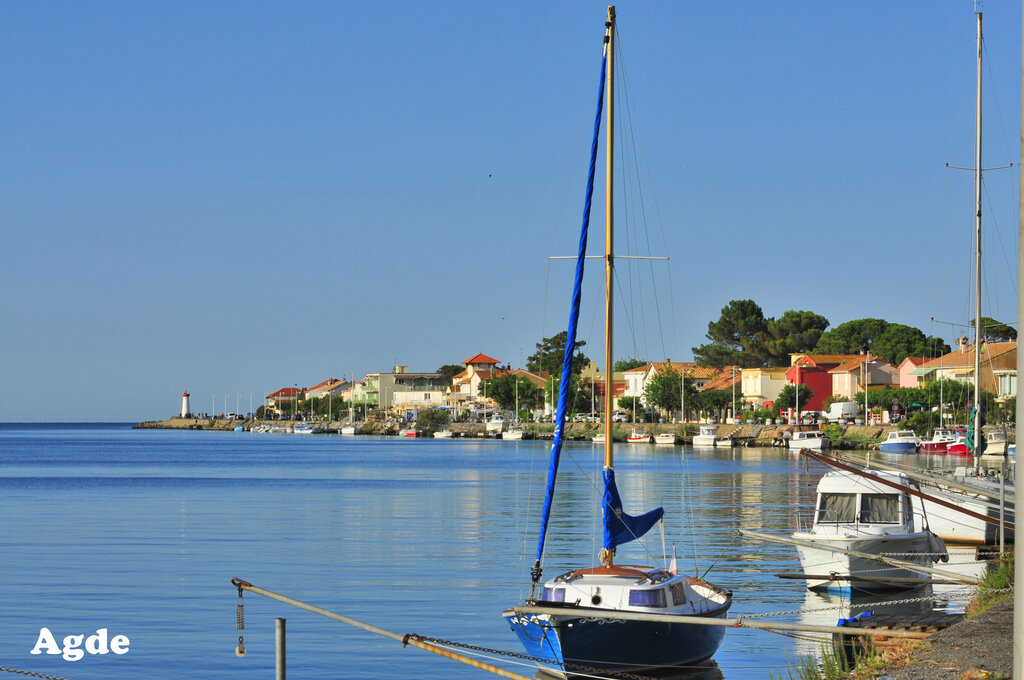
571, 643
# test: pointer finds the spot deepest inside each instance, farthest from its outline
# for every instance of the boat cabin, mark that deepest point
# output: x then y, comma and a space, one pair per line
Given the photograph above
850, 502
633, 588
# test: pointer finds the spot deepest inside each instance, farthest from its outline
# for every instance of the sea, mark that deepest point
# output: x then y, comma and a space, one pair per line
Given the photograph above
110, 531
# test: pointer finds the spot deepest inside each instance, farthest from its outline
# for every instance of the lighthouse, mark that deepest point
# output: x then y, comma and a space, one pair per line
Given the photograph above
185, 410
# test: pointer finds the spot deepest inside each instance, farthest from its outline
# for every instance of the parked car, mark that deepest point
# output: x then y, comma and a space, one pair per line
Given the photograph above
620, 417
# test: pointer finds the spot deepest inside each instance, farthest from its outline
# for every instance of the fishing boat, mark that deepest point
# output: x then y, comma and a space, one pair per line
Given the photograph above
815, 440
942, 437
900, 441
639, 437
857, 513
570, 622
707, 437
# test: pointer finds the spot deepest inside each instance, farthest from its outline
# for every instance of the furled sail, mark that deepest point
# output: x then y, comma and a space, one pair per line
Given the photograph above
570, 341
619, 527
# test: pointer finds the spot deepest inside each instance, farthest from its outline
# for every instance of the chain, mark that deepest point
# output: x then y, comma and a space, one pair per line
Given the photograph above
34, 675
525, 657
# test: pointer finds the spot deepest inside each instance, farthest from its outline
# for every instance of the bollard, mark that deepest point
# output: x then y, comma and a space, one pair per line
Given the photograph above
279, 665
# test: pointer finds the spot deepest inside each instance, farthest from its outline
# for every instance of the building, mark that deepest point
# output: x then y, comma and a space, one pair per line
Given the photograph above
907, 368
998, 367
465, 386
851, 377
761, 386
331, 386
813, 370
284, 399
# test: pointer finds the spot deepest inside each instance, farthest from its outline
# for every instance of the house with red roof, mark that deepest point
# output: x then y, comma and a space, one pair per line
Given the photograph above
998, 367
285, 395
813, 370
851, 377
907, 368
466, 385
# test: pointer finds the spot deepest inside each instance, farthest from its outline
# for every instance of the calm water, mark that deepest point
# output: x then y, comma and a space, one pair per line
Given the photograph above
140, 532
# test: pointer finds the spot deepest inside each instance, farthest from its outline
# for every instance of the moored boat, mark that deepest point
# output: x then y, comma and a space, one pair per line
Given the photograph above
442, 434
639, 437
666, 439
707, 437
815, 440
900, 441
941, 438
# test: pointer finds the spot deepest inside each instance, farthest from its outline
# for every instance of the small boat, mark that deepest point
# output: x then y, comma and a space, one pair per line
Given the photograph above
556, 624
239, 428
348, 429
941, 438
496, 424
959, 446
443, 434
725, 441
408, 432
815, 440
279, 429
514, 433
302, 428
598, 438
638, 437
666, 439
995, 442
707, 437
857, 513
900, 441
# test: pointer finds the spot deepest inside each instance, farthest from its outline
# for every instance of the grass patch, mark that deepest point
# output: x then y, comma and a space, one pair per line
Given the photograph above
867, 661
994, 586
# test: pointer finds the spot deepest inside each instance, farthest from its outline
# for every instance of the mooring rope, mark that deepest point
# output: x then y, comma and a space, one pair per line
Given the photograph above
33, 674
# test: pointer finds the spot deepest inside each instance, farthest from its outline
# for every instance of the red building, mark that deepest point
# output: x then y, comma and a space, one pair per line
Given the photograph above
813, 370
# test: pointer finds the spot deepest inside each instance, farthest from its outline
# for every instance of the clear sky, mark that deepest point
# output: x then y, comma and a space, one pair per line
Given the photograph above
228, 198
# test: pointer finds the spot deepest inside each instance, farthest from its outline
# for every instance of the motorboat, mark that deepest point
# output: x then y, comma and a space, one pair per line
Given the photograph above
707, 437
900, 441
725, 441
959, 446
639, 437
442, 434
815, 440
976, 494
348, 429
858, 513
941, 438
496, 424
666, 439
302, 428
408, 432
995, 442
598, 438
514, 433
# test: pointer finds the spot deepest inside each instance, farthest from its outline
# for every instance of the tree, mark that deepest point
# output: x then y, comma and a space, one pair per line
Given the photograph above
503, 390
626, 364
432, 419
550, 355
735, 337
663, 391
787, 396
714, 402
893, 342
794, 331
997, 331
449, 371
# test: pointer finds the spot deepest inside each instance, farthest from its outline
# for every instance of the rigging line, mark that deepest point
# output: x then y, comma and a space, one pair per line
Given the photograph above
993, 92
1002, 246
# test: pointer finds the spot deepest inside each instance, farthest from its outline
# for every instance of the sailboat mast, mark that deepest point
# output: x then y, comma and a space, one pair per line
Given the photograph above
609, 385
977, 260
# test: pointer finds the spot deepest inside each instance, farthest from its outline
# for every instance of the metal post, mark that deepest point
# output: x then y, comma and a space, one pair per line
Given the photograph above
279, 666
1018, 564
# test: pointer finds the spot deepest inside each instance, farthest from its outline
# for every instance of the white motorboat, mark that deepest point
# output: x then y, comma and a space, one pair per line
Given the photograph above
598, 438
666, 439
514, 433
707, 437
496, 424
726, 441
995, 442
815, 440
900, 441
443, 434
302, 428
858, 513
408, 432
348, 429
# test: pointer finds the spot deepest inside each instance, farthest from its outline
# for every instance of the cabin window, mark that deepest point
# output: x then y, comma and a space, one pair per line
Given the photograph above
678, 592
647, 598
838, 507
878, 508
554, 595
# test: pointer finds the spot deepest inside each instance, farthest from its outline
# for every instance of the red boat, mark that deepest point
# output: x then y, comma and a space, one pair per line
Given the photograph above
941, 439
959, 447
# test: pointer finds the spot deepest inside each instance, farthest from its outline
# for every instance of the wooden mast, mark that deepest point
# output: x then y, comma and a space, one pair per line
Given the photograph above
609, 385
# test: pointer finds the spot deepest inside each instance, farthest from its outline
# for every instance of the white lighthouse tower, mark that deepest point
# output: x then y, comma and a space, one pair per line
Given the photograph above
185, 410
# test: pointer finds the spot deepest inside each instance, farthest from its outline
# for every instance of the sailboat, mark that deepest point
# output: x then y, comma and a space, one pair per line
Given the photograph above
611, 617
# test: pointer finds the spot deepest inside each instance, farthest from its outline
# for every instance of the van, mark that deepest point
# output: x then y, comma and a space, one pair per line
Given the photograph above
841, 411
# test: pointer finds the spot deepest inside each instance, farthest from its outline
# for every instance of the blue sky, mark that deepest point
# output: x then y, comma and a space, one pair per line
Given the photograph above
228, 198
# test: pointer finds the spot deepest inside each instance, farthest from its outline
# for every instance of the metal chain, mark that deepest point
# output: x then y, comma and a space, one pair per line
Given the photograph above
34, 675
526, 657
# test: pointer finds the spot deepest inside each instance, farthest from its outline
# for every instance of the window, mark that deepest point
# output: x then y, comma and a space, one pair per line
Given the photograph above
878, 508
838, 507
553, 595
1007, 384
678, 592
647, 598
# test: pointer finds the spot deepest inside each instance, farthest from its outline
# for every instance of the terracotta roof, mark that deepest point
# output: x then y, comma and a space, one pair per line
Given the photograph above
330, 382
481, 359
849, 365
966, 358
917, 361
822, 360
289, 392
725, 380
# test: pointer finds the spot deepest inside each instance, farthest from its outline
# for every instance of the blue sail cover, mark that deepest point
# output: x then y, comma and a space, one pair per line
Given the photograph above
570, 341
619, 527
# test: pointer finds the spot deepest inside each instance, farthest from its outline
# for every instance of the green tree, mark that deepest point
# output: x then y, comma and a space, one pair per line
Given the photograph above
449, 371
890, 341
503, 390
551, 353
787, 397
714, 402
626, 364
632, 405
794, 331
997, 331
663, 391
432, 419
735, 337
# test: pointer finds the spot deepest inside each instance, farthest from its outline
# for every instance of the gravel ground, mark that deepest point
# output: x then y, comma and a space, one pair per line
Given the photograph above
969, 650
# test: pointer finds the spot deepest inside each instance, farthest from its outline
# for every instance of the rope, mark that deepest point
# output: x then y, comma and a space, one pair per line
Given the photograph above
34, 675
